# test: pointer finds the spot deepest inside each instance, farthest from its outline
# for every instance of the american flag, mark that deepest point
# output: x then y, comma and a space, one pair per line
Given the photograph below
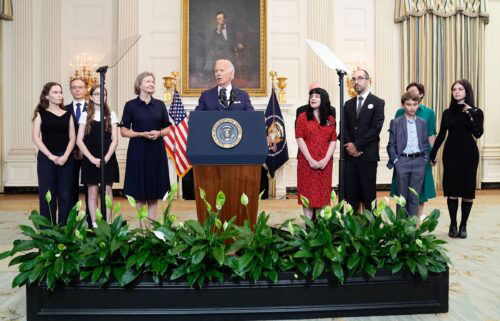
176, 141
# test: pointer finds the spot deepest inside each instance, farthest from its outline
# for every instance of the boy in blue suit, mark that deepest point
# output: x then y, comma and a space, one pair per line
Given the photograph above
407, 149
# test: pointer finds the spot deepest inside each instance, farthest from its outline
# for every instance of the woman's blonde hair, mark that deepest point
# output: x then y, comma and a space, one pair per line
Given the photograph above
138, 80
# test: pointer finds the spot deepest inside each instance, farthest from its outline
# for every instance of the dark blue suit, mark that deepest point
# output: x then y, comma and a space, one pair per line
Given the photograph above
209, 101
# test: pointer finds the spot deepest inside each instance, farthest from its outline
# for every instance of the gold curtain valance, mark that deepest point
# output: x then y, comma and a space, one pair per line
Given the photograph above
405, 9
6, 12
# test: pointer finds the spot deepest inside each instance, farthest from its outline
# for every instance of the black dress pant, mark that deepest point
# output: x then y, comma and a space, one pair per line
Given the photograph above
361, 182
59, 181
76, 189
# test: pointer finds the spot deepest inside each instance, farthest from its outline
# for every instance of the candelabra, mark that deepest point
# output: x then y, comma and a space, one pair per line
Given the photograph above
280, 82
170, 84
84, 69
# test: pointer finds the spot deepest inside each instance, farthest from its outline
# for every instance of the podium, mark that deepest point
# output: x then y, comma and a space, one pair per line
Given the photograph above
227, 150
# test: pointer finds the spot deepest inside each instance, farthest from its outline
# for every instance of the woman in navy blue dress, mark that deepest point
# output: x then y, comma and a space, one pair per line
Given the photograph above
145, 121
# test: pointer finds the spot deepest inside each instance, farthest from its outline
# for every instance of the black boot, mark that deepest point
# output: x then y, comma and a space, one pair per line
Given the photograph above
452, 209
466, 208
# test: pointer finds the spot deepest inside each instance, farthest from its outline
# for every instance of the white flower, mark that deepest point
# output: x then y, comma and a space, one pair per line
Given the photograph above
159, 235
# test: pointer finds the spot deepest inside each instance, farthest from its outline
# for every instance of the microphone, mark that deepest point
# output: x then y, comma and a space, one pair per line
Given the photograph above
232, 97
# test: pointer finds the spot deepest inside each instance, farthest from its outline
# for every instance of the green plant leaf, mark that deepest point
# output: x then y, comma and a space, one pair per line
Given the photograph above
245, 260
198, 257
333, 196
24, 245
220, 200
131, 201
4, 255
422, 269
272, 275
108, 201
411, 264
128, 277
20, 279
196, 227
218, 254
142, 213
58, 266
244, 199
318, 268
117, 207
84, 274
178, 272
353, 261
302, 253
203, 194
98, 215
48, 196
397, 267
338, 272
38, 219
96, 274
370, 269
393, 251
305, 201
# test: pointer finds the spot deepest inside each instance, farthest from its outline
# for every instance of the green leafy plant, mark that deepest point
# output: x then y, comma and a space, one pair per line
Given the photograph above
340, 242
50, 252
203, 252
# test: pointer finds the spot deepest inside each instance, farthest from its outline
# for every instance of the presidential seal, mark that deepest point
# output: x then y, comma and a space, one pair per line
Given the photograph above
227, 133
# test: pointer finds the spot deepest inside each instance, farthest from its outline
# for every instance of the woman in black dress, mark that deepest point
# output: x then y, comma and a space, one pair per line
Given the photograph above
145, 121
54, 136
89, 142
464, 124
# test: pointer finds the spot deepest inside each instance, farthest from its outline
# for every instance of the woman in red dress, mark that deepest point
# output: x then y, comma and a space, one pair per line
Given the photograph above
316, 137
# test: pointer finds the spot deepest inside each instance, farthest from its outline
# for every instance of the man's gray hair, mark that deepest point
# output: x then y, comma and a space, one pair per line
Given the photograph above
229, 63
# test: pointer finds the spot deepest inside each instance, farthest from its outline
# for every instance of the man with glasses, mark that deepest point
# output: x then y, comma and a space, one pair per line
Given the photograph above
364, 117
78, 89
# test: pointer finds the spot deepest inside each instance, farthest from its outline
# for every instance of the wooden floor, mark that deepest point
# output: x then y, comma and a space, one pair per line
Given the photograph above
474, 277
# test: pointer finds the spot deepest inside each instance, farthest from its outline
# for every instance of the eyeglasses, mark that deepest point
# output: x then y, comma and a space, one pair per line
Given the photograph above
77, 87
98, 94
353, 79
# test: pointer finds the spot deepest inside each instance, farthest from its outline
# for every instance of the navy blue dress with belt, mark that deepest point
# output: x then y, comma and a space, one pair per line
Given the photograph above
146, 173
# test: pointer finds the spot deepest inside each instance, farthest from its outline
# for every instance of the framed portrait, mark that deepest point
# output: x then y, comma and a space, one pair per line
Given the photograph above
224, 29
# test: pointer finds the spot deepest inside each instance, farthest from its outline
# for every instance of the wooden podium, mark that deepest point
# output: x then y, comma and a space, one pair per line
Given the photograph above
227, 150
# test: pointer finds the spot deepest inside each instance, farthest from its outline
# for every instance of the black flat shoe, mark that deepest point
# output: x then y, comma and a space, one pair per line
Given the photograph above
463, 232
453, 231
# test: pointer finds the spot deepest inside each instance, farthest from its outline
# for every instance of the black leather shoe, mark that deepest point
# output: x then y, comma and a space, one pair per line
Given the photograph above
453, 231
462, 233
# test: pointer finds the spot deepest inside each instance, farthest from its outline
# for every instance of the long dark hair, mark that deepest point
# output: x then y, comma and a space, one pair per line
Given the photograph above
91, 111
43, 103
469, 95
324, 107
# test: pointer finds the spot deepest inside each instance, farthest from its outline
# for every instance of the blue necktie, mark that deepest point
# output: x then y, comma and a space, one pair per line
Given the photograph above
78, 112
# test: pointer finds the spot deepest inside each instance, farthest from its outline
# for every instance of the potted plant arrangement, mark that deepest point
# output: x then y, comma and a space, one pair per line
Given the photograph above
342, 264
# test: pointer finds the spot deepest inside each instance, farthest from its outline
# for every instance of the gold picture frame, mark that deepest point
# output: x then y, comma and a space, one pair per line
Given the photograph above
241, 43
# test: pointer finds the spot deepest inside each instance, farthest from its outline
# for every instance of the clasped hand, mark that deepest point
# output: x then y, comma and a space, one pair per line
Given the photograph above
151, 135
318, 164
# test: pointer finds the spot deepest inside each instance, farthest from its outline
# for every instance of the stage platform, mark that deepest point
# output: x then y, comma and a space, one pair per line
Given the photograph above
474, 280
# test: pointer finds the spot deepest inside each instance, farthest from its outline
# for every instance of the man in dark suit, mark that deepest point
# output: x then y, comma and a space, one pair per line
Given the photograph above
364, 117
407, 149
303, 108
224, 97
78, 89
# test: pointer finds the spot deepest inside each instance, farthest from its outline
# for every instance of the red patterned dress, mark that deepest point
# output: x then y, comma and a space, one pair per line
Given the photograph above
315, 184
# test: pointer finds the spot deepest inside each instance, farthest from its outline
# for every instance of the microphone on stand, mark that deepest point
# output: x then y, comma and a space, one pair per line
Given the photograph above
232, 97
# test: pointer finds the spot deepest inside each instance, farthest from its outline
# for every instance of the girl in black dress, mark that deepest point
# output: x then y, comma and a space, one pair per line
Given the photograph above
54, 136
89, 142
145, 121
464, 124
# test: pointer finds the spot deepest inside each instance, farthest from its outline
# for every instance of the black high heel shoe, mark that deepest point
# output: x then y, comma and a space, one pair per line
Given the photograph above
462, 233
453, 231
